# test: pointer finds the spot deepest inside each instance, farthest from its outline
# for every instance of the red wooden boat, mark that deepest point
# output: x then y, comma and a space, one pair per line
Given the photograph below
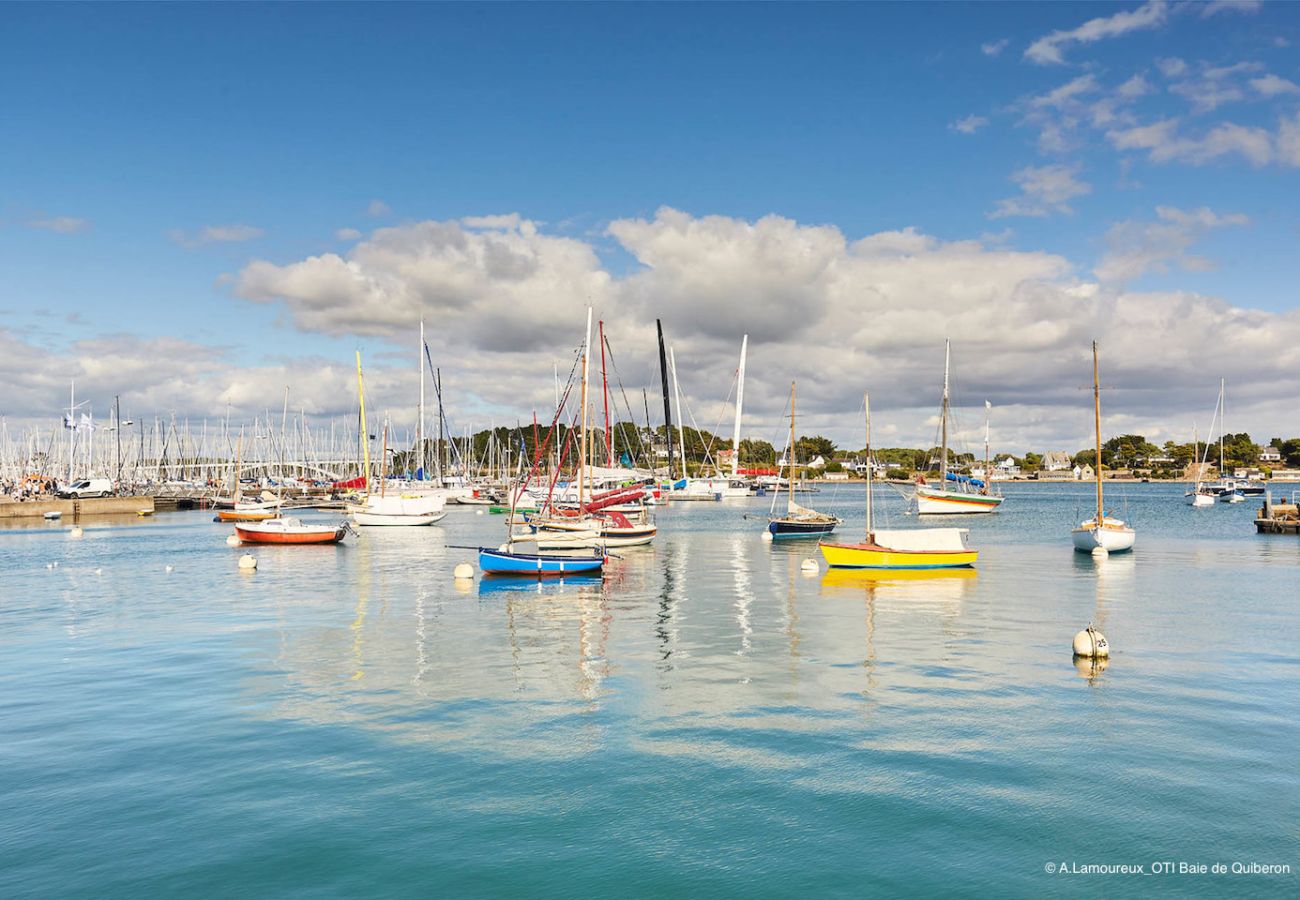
289, 531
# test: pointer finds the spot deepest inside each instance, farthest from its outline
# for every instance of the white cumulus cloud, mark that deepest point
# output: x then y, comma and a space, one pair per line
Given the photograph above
1043, 190
1050, 48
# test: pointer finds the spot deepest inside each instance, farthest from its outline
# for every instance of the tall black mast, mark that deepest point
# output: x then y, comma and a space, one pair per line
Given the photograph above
668, 411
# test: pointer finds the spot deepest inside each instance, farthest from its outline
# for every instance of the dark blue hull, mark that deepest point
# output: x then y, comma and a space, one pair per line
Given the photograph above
800, 529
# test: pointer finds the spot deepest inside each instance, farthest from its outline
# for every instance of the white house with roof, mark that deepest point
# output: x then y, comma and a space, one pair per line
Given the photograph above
1270, 454
1056, 461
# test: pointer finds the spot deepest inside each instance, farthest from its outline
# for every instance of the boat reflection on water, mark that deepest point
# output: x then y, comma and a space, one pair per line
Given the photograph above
504, 585
923, 585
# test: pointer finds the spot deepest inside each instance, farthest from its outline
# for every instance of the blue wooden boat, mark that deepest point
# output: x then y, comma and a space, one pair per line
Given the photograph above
537, 565
799, 527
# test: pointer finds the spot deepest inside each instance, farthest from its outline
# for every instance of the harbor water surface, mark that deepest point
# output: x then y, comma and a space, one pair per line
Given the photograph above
709, 720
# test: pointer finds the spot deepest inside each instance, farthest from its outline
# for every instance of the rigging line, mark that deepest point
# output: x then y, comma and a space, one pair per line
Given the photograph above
640, 444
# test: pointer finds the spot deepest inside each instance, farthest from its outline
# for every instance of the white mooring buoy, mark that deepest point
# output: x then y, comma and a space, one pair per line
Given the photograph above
76, 532
463, 572
478, 512
766, 535
248, 562
168, 568
1091, 644
232, 540
810, 566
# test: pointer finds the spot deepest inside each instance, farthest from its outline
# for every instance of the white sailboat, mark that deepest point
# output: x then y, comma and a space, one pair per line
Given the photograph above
956, 494
399, 509
1101, 531
1202, 495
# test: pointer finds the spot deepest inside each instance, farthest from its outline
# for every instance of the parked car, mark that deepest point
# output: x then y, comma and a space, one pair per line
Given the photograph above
90, 487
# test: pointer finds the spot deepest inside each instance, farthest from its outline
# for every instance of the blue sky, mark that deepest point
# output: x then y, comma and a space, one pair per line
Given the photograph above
132, 129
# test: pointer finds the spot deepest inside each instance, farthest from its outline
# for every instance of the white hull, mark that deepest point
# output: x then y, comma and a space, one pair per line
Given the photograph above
419, 509
931, 502
1116, 537
1200, 499
380, 519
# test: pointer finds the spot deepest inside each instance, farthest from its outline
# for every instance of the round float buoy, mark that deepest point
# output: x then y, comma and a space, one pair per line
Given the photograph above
169, 568
76, 532
99, 571
810, 565
248, 562
767, 535
1091, 644
463, 571
478, 512
1100, 553
232, 540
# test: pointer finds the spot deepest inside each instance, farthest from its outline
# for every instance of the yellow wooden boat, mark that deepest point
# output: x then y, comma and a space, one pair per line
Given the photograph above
877, 552
910, 548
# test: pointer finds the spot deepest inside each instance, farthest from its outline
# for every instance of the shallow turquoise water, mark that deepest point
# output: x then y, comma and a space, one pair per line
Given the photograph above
710, 721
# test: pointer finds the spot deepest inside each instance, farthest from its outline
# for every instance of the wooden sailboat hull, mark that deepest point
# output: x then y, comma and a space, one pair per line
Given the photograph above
782, 528
536, 565
323, 534
930, 502
873, 556
1114, 536
251, 515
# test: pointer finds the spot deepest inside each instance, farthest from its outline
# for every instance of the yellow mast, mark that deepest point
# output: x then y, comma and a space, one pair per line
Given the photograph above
365, 438
866, 407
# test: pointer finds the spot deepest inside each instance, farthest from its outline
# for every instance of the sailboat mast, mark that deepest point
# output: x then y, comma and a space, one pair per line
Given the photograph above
383, 462
604, 388
988, 475
668, 412
419, 425
791, 451
72, 423
1096, 409
943, 420
1223, 425
365, 437
866, 407
740, 403
677, 396
586, 373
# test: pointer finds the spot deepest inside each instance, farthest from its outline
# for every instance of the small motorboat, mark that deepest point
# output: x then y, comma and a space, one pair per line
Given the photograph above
537, 565
290, 531
53, 514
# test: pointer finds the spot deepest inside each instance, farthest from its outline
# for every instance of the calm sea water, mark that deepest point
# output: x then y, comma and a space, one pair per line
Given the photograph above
708, 721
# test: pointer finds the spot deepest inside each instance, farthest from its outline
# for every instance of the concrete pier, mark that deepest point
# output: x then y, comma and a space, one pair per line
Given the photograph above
73, 509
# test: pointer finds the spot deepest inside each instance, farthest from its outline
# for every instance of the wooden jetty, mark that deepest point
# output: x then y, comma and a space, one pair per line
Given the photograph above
1278, 518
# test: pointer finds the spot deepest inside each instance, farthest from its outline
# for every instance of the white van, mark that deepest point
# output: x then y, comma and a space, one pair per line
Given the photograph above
90, 487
